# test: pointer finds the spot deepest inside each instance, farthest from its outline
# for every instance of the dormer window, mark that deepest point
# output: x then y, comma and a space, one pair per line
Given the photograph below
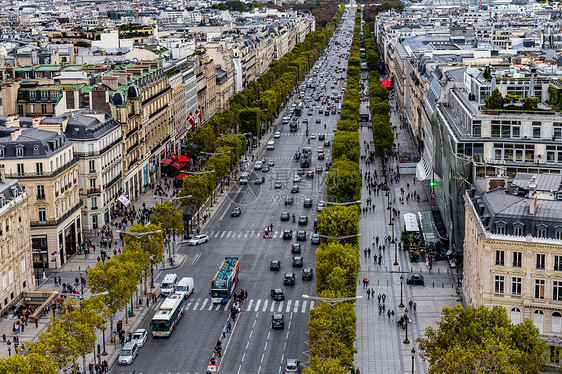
500, 228
35, 149
19, 151
2, 152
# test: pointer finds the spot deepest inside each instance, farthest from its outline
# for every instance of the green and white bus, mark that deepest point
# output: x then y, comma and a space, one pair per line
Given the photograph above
167, 316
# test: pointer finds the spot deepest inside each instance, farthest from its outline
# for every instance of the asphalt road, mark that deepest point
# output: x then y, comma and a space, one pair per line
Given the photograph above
253, 346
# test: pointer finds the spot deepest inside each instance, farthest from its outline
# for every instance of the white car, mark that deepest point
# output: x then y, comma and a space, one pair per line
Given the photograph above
258, 165
320, 207
140, 336
277, 134
199, 239
296, 178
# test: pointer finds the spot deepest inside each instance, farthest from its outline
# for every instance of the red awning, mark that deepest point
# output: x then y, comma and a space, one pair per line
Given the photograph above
166, 162
178, 165
183, 159
386, 83
181, 176
174, 156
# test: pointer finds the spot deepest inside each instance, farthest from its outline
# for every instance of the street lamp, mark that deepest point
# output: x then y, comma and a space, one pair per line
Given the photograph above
337, 237
413, 356
172, 198
401, 287
406, 341
341, 204
332, 301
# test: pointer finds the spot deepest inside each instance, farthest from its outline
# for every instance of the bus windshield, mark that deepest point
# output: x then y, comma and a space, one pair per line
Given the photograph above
160, 325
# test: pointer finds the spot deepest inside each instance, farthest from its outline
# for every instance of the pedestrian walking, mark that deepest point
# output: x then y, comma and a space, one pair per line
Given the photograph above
228, 326
410, 303
365, 251
388, 313
368, 293
415, 306
369, 252
224, 331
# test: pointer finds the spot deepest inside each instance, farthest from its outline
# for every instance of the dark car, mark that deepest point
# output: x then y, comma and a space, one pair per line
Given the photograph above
307, 203
289, 200
270, 163
303, 220
275, 265
287, 234
318, 120
297, 262
301, 235
321, 136
300, 171
277, 294
318, 169
295, 189
259, 180
288, 280
415, 279
277, 321
321, 156
326, 143
236, 211
278, 185
296, 248
310, 174
307, 274
285, 216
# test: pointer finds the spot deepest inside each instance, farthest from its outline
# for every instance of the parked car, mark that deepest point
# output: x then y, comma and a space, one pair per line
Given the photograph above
199, 239
128, 353
236, 211
415, 279
277, 294
140, 336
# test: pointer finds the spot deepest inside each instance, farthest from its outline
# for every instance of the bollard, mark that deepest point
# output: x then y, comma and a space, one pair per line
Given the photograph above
411, 269
378, 282
452, 285
79, 268
447, 271
437, 270
433, 284
442, 285
399, 268
387, 282
420, 269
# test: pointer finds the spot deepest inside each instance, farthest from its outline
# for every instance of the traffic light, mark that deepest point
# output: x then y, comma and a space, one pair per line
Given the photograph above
433, 184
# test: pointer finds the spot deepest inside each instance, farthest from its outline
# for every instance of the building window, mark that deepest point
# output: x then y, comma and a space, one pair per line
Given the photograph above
1, 151
536, 131
21, 170
19, 152
40, 192
515, 315
558, 233
500, 229
539, 288
92, 166
541, 232
517, 257
557, 131
558, 263
43, 108
518, 229
499, 284
516, 285
540, 260
39, 168
500, 258
20, 109
538, 320
557, 290
42, 213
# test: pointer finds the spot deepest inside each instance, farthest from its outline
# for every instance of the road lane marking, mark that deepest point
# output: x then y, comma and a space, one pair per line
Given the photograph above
258, 303
247, 344
197, 303
250, 305
265, 305
227, 305
296, 306
303, 306
311, 304
262, 356
265, 347
239, 367
252, 234
196, 258
280, 306
224, 232
288, 306
211, 306
246, 235
204, 303
272, 306
217, 234
188, 304
218, 306
243, 356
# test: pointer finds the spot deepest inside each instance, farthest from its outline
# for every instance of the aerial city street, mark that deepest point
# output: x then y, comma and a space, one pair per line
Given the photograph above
280, 187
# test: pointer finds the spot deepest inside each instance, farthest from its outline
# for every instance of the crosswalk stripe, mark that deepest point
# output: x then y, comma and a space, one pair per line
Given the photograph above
196, 304
224, 232
188, 304
296, 309
228, 236
246, 235
272, 307
280, 306
311, 304
288, 306
303, 309
218, 306
239, 234
204, 303
265, 305
217, 234
250, 305
227, 305
211, 305
258, 303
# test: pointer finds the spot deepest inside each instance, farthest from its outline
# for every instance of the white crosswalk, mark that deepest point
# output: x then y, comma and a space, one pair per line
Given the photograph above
304, 134
241, 234
253, 305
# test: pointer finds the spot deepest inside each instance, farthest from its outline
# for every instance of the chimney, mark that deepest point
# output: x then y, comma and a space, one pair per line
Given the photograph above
37, 121
533, 183
16, 134
12, 121
533, 205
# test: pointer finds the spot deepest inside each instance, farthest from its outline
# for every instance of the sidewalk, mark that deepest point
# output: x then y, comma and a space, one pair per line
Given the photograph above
379, 344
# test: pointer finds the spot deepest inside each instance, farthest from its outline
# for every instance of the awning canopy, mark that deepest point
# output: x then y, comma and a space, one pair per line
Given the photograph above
423, 171
429, 232
183, 159
411, 222
181, 176
386, 83
178, 165
166, 162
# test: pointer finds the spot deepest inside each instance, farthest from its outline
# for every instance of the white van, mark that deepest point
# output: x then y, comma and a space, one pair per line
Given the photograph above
270, 145
244, 178
184, 287
168, 284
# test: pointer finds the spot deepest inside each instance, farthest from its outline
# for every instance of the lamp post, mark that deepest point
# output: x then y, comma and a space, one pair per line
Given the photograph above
401, 288
406, 341
332, 301
413, 356
341, 204
395, 249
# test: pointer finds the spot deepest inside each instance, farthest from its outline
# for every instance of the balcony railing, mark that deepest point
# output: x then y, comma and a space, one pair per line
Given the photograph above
135, 145
94, 191
57, 221
100, 152
43, 174
111, 182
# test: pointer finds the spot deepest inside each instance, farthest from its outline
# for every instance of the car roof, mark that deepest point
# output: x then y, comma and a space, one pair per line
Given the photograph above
140, 330
277, 290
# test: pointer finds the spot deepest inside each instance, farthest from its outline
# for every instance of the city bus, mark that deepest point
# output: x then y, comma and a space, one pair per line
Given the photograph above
224, 282
167, 316
293, 126
298, 109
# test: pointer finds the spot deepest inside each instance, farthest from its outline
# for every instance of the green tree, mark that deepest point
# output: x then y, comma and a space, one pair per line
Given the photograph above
510, 98
196, 188
531, 103
336, 268
152, 243
488, 73
31, 363
495, 101
169, 219
343, 182
338, 221
250, 120
482, 338
118, 279
346, 144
